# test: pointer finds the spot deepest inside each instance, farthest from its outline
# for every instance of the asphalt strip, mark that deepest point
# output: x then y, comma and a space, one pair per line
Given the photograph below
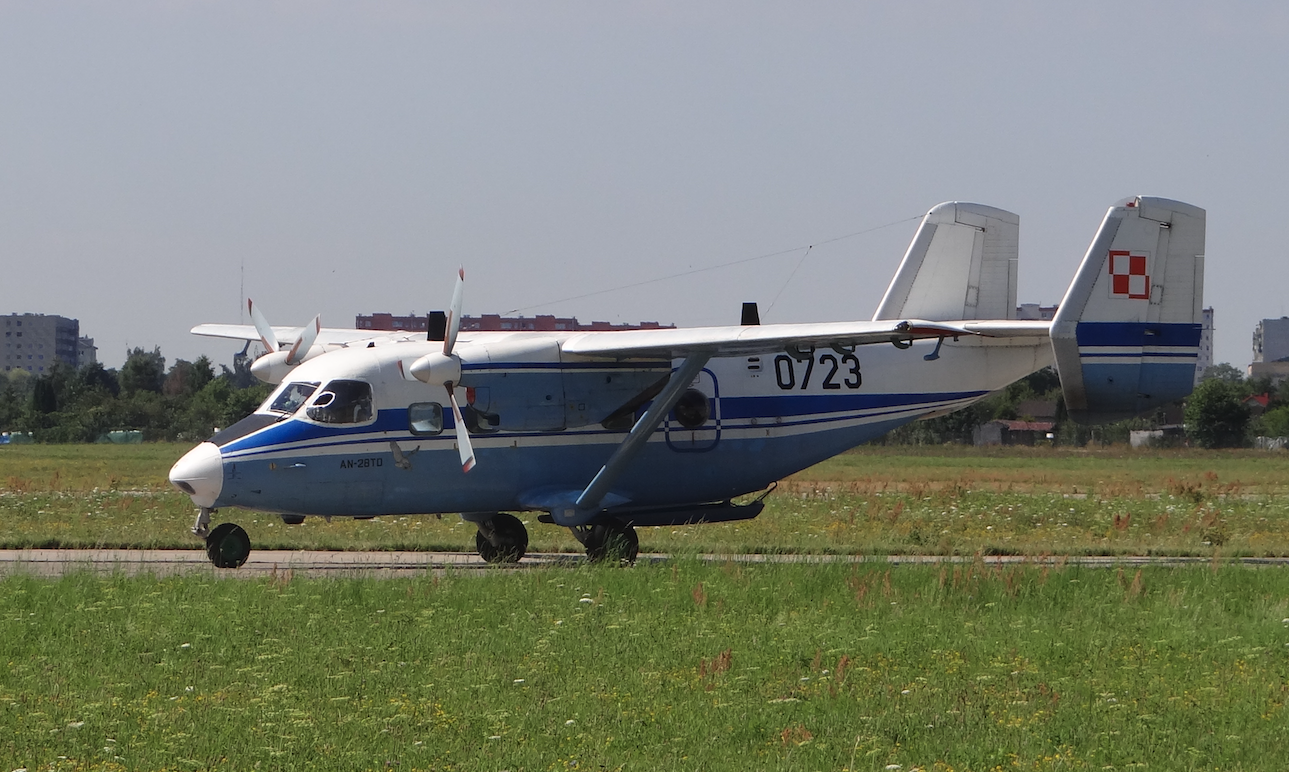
388, 565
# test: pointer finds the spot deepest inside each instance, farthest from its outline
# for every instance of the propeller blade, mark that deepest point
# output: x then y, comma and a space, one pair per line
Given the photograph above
463, 435
303, 343
262, 327
454, 314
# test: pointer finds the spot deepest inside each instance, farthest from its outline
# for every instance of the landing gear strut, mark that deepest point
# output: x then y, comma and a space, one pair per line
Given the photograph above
609, 541
502, 538
227, 545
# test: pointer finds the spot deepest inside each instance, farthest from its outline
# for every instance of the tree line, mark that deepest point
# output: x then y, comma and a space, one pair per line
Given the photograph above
190, 402
187, 402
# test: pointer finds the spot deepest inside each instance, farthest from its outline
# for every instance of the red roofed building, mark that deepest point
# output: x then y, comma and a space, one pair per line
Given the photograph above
497, 323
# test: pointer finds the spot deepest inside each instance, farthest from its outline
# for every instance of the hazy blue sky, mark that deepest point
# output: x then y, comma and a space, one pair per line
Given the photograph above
352, 155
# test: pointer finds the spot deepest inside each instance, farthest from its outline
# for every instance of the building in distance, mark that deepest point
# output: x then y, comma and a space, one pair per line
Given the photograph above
497, 323
1204, 360
1271, 349
1036, 311
34, 342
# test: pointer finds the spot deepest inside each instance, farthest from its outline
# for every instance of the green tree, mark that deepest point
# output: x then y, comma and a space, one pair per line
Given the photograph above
1222, 372
96, 377
1274, 422
187, 378
143, 371
10, 406
1216, 416
44, 397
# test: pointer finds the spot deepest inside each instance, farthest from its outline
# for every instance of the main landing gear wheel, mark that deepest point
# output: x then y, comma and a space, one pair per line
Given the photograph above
501, 539
612, 542
228, 546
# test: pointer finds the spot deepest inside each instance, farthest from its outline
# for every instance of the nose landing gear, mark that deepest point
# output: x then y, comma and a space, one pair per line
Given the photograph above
227, 545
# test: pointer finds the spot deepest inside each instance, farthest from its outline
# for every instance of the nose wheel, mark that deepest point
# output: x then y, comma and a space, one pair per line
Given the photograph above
228, 546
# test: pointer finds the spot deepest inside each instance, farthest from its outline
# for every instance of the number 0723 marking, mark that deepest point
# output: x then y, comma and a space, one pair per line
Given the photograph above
836, 371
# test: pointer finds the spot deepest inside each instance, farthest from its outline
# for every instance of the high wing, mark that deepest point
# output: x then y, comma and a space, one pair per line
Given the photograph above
327, 336
745, 340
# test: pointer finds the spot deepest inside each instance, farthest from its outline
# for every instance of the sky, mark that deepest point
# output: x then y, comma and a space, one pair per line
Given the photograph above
160, 161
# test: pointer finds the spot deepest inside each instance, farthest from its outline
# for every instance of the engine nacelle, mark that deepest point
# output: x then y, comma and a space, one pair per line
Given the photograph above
273, 367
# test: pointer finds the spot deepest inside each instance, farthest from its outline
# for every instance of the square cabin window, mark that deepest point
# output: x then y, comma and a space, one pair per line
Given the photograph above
425, 418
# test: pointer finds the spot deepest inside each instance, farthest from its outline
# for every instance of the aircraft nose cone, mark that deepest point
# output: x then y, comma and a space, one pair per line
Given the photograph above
200, 474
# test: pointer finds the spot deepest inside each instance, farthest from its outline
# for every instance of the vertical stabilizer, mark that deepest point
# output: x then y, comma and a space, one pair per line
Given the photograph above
960, 265
1126, 336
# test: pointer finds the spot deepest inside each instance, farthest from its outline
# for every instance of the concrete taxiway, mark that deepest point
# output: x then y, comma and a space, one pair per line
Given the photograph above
317, 563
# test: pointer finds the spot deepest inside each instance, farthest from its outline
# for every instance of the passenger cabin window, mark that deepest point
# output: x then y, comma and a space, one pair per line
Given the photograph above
425, 418
291, 397
342, 402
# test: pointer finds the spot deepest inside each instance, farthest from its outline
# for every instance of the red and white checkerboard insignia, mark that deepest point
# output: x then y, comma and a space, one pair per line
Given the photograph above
1128, 274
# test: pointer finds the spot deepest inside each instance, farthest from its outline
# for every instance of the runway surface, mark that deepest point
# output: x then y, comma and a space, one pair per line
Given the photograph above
314, 563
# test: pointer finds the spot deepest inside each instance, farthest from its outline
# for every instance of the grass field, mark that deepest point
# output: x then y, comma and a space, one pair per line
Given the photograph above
681, 665
872, 500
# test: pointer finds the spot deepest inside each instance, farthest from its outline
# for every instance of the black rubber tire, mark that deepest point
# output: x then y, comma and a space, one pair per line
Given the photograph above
228, 546
293, 519
512, 537
613, 542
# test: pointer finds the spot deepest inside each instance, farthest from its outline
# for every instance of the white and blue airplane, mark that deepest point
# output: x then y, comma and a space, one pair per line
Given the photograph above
600, 432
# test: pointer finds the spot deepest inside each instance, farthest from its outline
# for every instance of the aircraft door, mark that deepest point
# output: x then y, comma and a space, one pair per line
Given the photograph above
694, 425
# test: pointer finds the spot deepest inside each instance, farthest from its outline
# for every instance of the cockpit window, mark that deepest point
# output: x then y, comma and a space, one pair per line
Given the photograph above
292, 396
342, 402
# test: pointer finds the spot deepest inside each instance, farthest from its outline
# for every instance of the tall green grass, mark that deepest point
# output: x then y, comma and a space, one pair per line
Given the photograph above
678, 665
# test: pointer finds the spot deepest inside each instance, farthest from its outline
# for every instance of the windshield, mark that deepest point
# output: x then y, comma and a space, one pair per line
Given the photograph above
290, 397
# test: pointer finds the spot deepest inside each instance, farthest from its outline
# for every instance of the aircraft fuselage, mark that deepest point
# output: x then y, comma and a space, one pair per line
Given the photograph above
765, 418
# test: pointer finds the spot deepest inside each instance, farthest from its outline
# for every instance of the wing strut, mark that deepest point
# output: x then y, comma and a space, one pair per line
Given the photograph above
640, 433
